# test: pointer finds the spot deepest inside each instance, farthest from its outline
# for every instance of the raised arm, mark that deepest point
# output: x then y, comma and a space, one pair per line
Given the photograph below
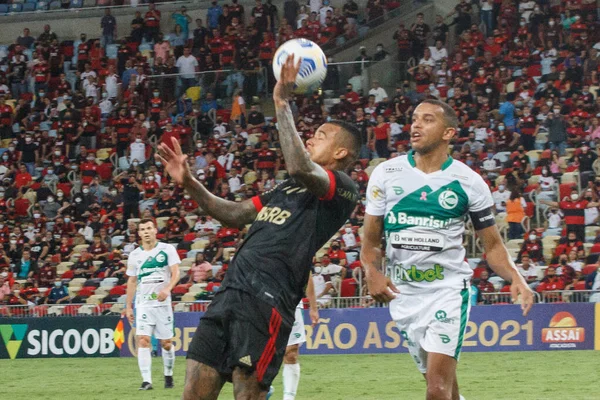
502, 264
297, 159
227, 212
380, 287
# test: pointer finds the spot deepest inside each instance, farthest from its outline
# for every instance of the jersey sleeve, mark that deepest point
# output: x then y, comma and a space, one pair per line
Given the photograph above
173, 256
481, 205
342, 190
376, 193
131, 268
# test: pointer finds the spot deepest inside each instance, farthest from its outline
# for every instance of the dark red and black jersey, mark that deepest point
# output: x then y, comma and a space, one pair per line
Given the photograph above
83, 51
528, 125
574, 211
6, 113
215, 45
156, 105
123, 128
266, 159
227, 53
274, 260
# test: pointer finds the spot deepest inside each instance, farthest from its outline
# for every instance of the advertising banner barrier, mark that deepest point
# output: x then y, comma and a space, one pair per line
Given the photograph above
568, 326
59, 337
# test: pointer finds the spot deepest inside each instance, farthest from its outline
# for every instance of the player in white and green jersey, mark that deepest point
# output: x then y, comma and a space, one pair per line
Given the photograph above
421, 202
153, 270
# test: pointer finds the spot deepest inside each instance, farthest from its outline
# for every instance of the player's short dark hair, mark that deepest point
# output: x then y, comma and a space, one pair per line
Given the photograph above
449, 113
351, 139
146, 220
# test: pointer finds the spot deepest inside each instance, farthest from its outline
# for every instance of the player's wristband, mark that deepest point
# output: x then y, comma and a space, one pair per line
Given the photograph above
483, 218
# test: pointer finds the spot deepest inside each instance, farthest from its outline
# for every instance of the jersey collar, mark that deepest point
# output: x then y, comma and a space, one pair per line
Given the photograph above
411, 160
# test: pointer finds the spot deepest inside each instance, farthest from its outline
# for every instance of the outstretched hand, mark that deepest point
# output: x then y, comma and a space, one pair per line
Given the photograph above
175, 161
285, 85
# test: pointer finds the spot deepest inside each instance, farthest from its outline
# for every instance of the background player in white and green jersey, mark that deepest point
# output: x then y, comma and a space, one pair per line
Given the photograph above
420, 201
153, 271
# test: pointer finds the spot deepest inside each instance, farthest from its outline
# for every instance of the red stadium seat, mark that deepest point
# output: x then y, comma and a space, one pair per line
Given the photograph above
182, 253
181, 289
68, 275
86, 291
189, 237
589, 269
65, 187
348, 288
580, 285
40, 311
118, 290
71, 309
212, 286
565, 189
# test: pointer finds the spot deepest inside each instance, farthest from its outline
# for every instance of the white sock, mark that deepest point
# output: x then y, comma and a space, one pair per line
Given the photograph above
145, 363
291, 379
168, 360
462, 397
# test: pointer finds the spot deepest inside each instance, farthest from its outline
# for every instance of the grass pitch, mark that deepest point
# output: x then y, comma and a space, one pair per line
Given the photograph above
572, 375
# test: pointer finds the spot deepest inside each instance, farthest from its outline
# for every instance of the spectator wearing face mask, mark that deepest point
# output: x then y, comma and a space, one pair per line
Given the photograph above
50, 208
533, 247
350, 240
58, 294
500, 197
26, 267
573, 208
323, 287
557, 130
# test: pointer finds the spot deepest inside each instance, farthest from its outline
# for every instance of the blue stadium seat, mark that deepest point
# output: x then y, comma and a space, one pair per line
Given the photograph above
42, 5
112, 50
18, 1
30, 1
76, 3
3, 8
15, 8
28, 7
55, 5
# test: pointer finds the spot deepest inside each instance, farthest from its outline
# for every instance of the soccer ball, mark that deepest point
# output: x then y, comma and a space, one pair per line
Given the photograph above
312, 69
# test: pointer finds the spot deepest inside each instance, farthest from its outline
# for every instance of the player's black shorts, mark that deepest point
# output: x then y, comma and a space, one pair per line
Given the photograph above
239, 330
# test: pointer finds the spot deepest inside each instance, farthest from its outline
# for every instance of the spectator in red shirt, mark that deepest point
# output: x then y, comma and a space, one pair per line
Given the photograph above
152, 23
485, 286
23, 178
336, 254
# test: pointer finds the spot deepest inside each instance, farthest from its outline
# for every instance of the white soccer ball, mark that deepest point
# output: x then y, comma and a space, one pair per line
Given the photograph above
312, 69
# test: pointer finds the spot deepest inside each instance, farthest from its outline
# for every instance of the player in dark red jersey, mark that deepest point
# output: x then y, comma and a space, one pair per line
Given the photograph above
244, 333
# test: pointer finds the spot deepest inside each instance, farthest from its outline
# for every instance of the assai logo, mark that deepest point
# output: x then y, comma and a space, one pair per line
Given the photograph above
563, 331
448, 199
12, 337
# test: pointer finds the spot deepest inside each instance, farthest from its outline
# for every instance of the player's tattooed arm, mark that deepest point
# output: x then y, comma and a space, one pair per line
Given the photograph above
297, 161
229, 213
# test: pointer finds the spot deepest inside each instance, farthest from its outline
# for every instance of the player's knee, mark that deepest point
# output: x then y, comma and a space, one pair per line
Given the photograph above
143, 341
166, 344
438, 390
291, 355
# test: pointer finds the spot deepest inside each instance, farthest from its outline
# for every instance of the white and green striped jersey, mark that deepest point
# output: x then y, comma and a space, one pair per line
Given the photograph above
153, 271
424, 220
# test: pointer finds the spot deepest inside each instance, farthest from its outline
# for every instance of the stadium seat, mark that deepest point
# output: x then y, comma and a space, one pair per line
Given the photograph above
250, 177
534, 156
112, 50
191, 220
109, 282
91, 3
76, 3
187, 262
569, 177
589, 269
565, 190
116, 241
95, 299
102, 291
161, 222
199, 245
16, 7
184, 270
181, 307
86, 291
117, 308
77, 282
348, 288
376, 161
133, 220
4, 8
515, 243
188, 297
118, 290
87, 309
55, 310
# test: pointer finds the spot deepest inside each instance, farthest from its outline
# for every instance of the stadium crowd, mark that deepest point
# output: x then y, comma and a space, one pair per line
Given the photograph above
80, 122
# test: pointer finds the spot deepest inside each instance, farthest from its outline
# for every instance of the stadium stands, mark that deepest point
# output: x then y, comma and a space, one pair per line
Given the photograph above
80, 119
